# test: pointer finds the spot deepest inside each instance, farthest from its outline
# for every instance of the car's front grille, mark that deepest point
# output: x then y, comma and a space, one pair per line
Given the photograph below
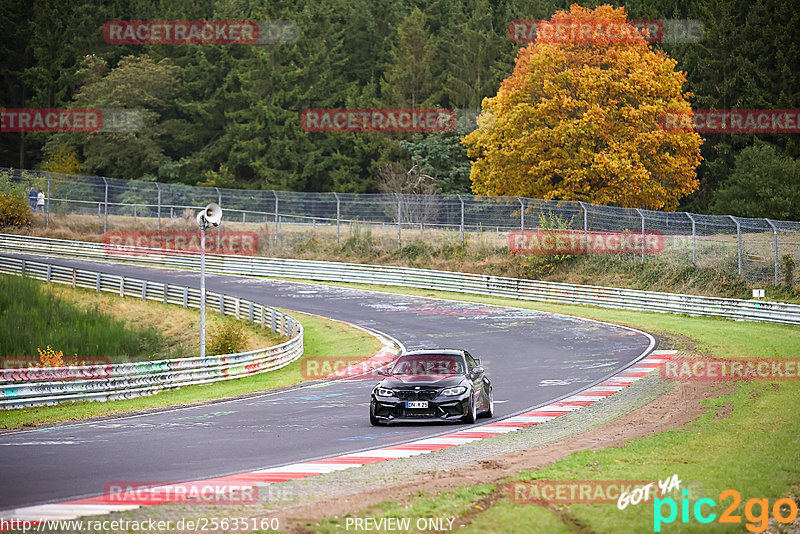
411, 395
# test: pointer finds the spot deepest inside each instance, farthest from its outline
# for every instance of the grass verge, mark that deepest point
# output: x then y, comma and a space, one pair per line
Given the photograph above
34, 315
748, 440
323, 337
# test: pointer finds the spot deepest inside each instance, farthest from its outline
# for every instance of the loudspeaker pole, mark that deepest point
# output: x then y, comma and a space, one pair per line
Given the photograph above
202, 291
210, 216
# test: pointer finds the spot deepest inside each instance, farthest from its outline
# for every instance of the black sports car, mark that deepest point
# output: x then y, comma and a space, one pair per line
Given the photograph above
443, 385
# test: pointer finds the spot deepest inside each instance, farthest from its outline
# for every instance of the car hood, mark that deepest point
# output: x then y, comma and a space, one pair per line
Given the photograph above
441, 381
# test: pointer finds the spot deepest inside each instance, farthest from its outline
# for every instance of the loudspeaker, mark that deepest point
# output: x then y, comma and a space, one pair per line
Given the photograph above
211, 216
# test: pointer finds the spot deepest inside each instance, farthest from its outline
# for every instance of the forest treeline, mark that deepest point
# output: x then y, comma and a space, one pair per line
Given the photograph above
229, 115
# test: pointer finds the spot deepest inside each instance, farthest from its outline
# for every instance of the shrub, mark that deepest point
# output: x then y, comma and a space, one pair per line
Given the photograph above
228, 337
787, 265
14, 211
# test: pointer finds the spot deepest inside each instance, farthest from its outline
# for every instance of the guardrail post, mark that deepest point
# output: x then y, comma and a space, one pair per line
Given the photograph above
236, 305
144, 289
462, 218
738, 240
775, 237
694, 240
338, 205
166, 292
222, 304
97, 282
74, 277
185, 297
283, 324
121, 286
250, 311
272, 320
521, 214
275, 239
49, 272
105, 207
23, 267
643, 240
159, 205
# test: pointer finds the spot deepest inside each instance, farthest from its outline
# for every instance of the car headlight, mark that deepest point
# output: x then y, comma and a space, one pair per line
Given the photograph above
384, 392
452, 392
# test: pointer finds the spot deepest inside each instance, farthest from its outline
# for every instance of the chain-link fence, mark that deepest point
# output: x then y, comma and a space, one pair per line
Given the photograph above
754, 248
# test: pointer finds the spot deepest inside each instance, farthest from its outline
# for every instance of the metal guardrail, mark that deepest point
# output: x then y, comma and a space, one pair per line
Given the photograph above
36, 386
628, 299
724, 241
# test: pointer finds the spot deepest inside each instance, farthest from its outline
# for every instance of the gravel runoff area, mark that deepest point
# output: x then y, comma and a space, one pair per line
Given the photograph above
280, 499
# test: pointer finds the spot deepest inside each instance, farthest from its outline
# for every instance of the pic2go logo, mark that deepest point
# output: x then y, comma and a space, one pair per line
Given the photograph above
758, 521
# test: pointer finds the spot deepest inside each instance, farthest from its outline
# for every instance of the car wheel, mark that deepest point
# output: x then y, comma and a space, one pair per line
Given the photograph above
472, 415
490, 410
372, 419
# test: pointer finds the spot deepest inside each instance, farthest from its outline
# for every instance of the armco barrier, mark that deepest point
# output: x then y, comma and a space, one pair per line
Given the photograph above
40, 386
609, 297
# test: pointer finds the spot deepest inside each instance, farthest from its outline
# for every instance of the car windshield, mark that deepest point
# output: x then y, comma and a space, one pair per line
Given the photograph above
429, 365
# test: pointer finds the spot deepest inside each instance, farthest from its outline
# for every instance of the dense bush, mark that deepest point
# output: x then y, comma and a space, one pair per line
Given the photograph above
228, 337
14, 211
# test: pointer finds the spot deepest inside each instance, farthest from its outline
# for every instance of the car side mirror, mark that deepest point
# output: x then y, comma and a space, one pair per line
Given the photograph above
477, 360
383, 372
476, 371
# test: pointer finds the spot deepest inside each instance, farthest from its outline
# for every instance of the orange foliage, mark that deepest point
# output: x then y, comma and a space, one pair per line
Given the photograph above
50, 357
580, 121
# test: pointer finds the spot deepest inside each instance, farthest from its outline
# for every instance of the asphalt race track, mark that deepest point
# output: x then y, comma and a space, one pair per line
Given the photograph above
532, 358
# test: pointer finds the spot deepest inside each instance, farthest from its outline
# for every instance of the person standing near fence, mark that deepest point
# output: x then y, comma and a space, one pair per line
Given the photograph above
32, 197
40, 201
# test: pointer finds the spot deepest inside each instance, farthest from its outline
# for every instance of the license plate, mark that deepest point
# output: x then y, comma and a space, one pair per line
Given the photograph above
417, 404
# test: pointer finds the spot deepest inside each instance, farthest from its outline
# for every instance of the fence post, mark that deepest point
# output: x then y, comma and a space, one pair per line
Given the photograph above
399, 219
738, 240
643, 240
521, 214
105, 207
694, 240
462, 218
219, 201
775, 237
47, 203
159, 205
585, 219
337, 216
275, 237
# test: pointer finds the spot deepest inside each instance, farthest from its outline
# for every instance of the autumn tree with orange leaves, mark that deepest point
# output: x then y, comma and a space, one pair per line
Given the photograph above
578, 119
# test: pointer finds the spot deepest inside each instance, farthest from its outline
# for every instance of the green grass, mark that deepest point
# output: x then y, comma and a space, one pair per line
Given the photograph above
323, 337
31, 318
753, 449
